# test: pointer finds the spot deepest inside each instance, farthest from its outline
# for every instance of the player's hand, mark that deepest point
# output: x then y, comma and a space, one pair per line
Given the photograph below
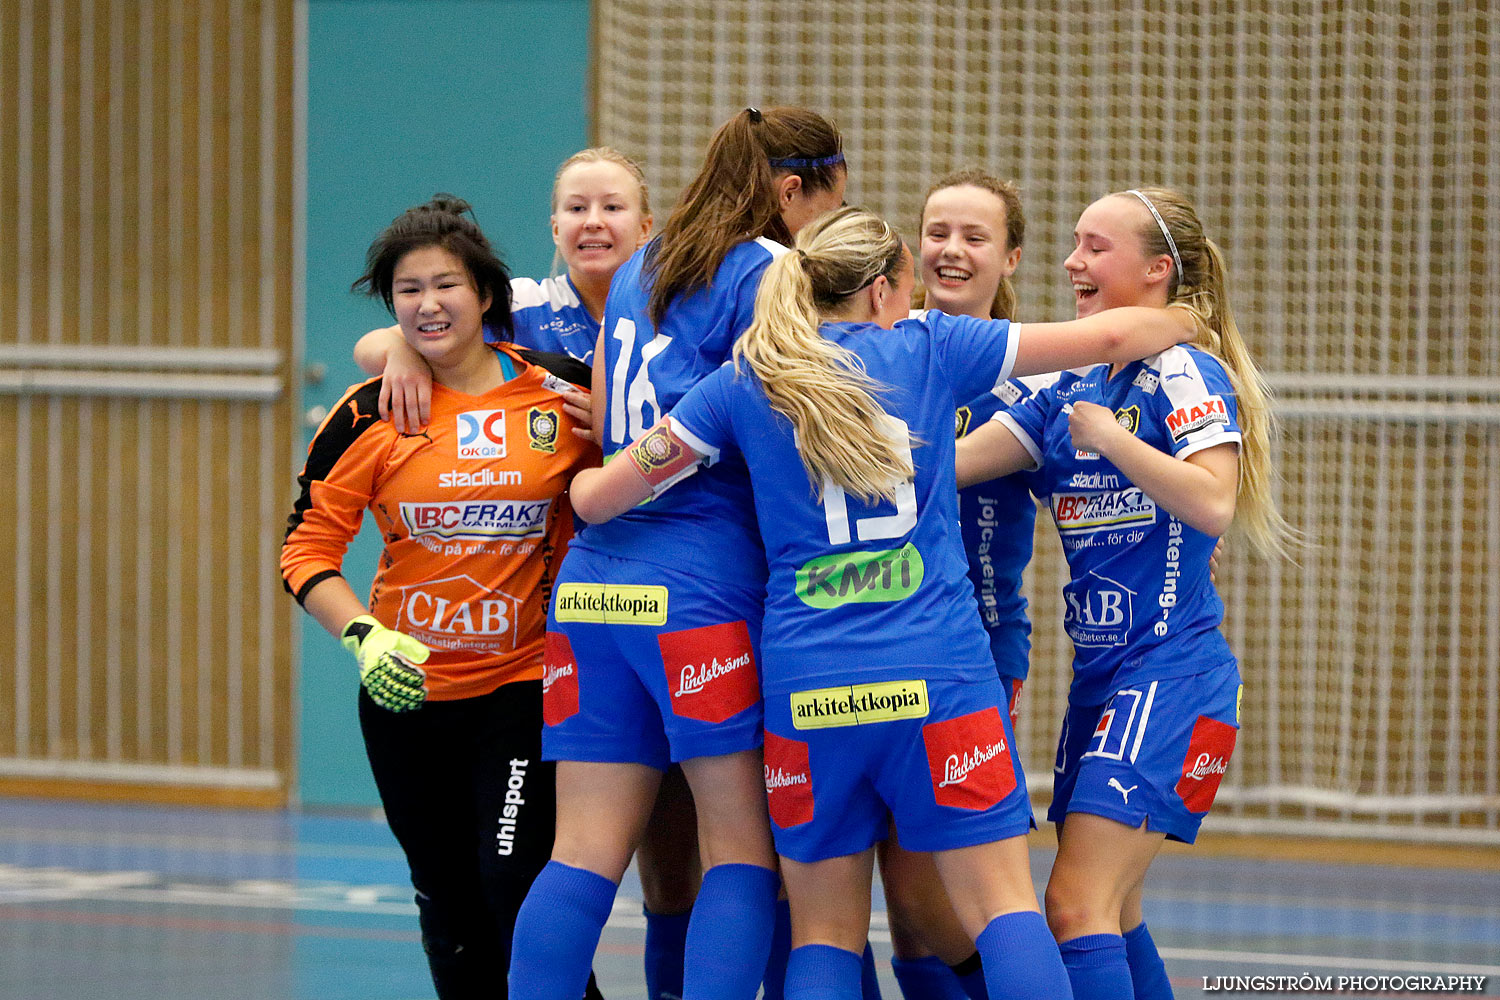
406, 390
1091, 426
1213, 561
576, 404
387, 663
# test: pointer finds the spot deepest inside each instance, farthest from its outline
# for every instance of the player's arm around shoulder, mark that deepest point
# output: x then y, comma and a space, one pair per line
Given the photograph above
1010, 441
651, 464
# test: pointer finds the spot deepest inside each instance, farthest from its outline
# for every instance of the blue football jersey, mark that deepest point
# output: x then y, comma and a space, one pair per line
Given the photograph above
708, 521
549, 316
998, 520
1140, 605
863, 591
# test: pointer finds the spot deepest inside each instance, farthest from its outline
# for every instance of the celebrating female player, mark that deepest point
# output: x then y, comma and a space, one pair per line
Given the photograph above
652, 643
880, 696
1145, 465
971, 230
449, 647
601, 214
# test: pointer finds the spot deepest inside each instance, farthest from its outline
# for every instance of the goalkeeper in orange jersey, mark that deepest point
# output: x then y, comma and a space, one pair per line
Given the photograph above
449, 648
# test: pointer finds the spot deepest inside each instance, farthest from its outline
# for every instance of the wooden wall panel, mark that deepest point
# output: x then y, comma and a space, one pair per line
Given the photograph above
146, 231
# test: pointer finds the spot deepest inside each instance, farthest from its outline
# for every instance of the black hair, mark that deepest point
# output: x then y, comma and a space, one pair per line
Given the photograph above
447, 222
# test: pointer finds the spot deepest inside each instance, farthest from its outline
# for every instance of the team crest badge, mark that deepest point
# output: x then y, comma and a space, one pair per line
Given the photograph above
656, 450
1129, 418
961, 421
541, 427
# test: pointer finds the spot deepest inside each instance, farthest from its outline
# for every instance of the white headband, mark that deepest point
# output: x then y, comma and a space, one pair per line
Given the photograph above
1162, 223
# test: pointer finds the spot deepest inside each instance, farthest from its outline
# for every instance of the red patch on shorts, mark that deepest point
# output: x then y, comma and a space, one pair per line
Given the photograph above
788, 781
1015, 701
1205, 762
559, 680
970, 760
711, 672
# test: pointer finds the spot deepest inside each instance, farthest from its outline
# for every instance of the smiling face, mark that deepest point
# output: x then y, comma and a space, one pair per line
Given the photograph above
1109, 266
964, 254
597, 222
440, 311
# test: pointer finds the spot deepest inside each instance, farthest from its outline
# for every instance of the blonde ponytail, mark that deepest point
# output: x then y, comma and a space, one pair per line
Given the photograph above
842, 433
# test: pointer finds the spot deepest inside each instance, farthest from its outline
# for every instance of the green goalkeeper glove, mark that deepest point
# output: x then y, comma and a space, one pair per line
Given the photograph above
387, 663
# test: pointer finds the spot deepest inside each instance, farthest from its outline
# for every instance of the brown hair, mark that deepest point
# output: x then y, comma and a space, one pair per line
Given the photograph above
446, 222
733, 198
1004, 306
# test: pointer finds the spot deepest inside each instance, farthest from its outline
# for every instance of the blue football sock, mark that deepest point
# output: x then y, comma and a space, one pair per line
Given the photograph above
557, 932
666, 940
926, 979
823, 972
1148, 975
970, 976
729, 936
869, 979
1020, 959
1097, 967
781, 947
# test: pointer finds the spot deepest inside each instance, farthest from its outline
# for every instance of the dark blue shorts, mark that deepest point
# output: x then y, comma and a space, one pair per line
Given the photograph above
648, 665
1154, 753
935, 755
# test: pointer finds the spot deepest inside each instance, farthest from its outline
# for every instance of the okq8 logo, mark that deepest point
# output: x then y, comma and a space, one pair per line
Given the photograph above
481, 434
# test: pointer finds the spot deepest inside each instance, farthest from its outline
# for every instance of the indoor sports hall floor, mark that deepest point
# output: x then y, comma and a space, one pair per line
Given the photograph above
154, 903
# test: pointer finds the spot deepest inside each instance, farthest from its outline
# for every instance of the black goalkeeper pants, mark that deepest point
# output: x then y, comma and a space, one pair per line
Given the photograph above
473, 806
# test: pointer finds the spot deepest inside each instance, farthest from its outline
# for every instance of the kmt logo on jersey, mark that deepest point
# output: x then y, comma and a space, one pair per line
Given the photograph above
476, 520
1083, 513
481, 434
789, 790
1205, 762
559, 680
1098, 611
860, 577
1147, 382
969, 759
711, 672
459, 613
1186, 419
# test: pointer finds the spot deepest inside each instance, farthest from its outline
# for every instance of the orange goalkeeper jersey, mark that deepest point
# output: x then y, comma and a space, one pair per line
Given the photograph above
472, 511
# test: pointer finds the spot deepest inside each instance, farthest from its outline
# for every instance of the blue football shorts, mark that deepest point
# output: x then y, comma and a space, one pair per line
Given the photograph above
1153, 753
937, 756
648, 665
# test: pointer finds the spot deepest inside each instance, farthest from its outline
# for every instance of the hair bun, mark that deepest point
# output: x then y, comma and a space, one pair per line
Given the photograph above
441, 202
